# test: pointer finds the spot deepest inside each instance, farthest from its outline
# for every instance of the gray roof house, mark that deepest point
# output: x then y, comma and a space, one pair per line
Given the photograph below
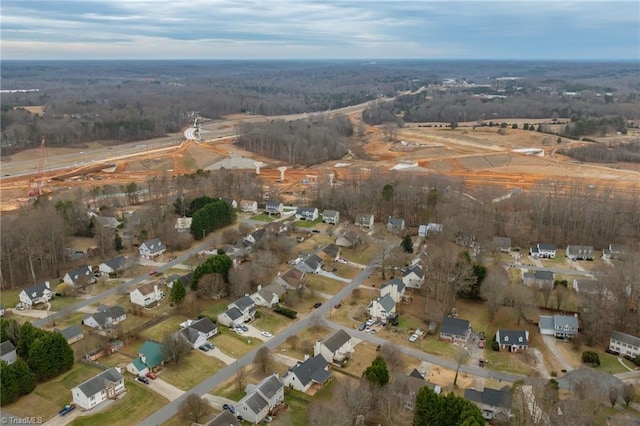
382, 307
80, 276
494, 404
541, 279
311, 264
260, 399
513, 340
336, 349
501, 244
405, 389
413, 277
39, 293
331, 216
274, 207
579, 252
304, 374
238, 312
395, 224
113, 266
106, 317
73, 333
624, 344
152, 248
307, 213
455, 330
348, 239
269, 295
226, 418
560, 326
332, 251
8, 352
364, 220
106, 385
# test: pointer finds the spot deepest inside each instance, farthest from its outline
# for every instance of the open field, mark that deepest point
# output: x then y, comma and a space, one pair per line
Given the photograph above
191, 370
170, 325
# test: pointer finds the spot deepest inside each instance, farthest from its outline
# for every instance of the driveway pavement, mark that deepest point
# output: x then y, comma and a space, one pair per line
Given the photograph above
333, 276
165, 389
217, 401
551, 343
285, 359
254, 332
217, 353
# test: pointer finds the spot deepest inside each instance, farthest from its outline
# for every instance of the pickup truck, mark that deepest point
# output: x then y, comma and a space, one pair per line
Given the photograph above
67, 409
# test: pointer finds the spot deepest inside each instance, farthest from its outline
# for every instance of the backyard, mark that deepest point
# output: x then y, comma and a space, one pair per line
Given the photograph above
169, 325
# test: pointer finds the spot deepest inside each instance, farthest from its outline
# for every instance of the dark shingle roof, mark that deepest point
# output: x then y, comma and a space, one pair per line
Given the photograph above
387, 303
256, 402
190, 335
492, 397
204, 325
416, 270
336, 341
224, 419
234, 313
332, 250
83, 271
501, 242
117, 262
546, 246
512, 337
313, 261
579, 250
98, 383
626, 338
454, 326
71, 331
244, 303
6, 347
36, 291
313, 369
395, 281
330, 213
544, 275
270, 386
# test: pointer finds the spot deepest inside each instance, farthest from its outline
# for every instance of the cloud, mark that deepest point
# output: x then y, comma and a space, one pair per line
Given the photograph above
219, 29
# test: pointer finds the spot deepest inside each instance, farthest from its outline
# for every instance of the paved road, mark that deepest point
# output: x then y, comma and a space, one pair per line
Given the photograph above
169, 410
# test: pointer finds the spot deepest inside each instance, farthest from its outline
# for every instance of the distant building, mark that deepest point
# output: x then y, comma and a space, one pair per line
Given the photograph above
579, 252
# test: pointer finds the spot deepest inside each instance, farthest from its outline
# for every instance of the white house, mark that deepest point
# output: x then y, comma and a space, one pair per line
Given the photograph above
150, 356
560, 326
394, 288
261, 399
429, 229
113, 267
152, 249
269, 295
624, 344
249, 206
513, 340
579, 252
39, 293
197, 332
292, 279
543, 250
337, 349
106, 317
106, 385
79, 277
307, 373
8, 352
382, 307
255, 236
306, 213
273, 207
183, 224
331, 216
395, 224
364, 220
233, 203
455, 330
413, 276
241, 311
312, 264
146, 296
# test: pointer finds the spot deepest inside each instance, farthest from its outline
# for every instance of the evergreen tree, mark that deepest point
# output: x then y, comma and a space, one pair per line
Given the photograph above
9, 386
178, 292
407, 244
27, 380
117, 242
9, 330
440, 410
377, 373
219, 264
49, 356
28, 335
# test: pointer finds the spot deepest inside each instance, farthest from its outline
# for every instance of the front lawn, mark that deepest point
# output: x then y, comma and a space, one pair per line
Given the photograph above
10, 298
194, 368
170, 325
262, 218
234, 344
362, 255
508, 362
299, 402
324, 284
136, 405
212, 308
272, 322
307, 223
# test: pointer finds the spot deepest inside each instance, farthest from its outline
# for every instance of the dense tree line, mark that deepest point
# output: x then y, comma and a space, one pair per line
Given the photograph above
445, 410
303, 142
219, 264
214, 214
600, 153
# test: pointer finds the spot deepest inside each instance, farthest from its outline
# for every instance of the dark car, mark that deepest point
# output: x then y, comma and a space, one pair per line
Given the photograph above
67, 409
317, 305
143, 379
362, 327
229, 408
204, 348
337, 305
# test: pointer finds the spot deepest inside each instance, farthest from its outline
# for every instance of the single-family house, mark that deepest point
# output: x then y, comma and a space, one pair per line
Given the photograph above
331, 252
183, 224
541, 279
255, 236
312, 264
8, 352
150, 357
543, 250
615, 251
292, 279
226, 418
331, 216
592, 287
249, 206
494, 404
364, 220
79, 277
106, 385
233, 203
579, 252
394, 288
624, 344
560, 326
311, 371
72, 334
382, 307
348, 239
413, 277
113, 267
433, 228
337, 349
36, 294
105, 221
147, 296
260, 399
513, 340
422, 231
273, 207
405, 388
269, 295
455, 330
241, 311
106, 317
197, 332
152, 249
502, 244
395, 224
306, 213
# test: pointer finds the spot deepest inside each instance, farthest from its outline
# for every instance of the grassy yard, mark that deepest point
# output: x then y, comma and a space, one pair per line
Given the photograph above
115, 360
508, 362
362, 255
262, 217
324, 284
51, 396
307, 223
234, 344
214, 307
345, 271
306, 340
170, 325
272, 322
10, 298
58, 303
191, 370
298, 403
137, 404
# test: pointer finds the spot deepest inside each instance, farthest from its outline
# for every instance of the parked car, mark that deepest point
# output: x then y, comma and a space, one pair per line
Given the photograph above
229, 408
152, 376
209, 345
238, 330
143, 379
362, 326
317, 305
153, 272
67, 409
20, 306
266, 334
337, 305
341, 260
413, 337
204, 348
370, 322
315, 231
268, 419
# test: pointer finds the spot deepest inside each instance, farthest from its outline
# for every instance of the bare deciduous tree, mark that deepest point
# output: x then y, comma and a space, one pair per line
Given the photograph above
628, 393
393, 357
211, 286
493, 289
194, 408
175, 348
263, 359
293, 341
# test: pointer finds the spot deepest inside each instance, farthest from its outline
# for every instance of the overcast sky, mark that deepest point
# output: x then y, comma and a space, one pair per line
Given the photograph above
308, 29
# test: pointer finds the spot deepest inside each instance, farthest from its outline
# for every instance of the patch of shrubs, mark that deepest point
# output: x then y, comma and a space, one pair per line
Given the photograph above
289, 313
591, 357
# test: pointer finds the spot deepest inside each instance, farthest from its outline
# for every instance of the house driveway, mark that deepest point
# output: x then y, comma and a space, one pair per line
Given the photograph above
254, 332
32, 313
535, 261
61, 421
285, 359
217, 401
551, 343
165, 389
333, 276
217, 353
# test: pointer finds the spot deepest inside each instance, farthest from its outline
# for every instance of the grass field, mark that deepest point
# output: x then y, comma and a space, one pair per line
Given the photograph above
234, 344
137, 404
262, 217
10, 298
324, 284
299, 402
51, 396
307, 223
215, 307
362, 255
272, 322
191, 370
170, 325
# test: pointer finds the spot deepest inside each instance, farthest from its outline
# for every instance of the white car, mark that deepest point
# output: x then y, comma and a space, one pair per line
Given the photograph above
370, 322
266, 334
413, 337
20, 306
238, 330
341, 260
